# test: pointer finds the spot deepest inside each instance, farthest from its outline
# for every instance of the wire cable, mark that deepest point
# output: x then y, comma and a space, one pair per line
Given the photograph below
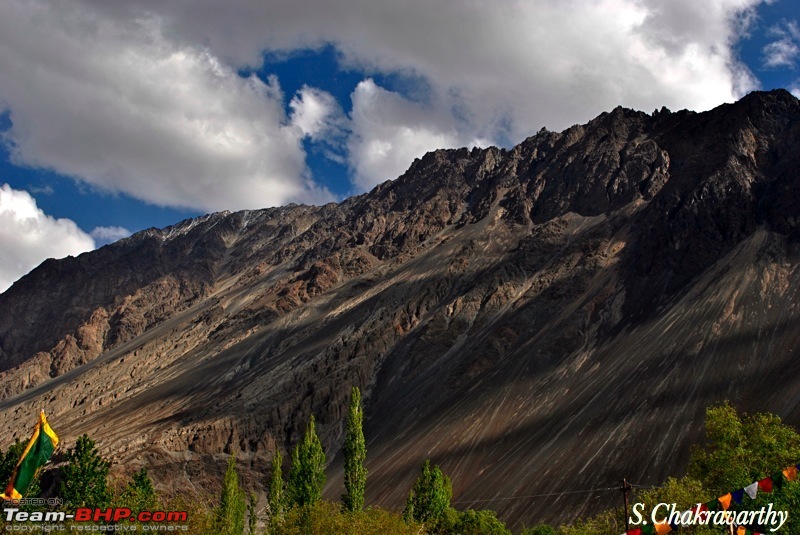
547, 495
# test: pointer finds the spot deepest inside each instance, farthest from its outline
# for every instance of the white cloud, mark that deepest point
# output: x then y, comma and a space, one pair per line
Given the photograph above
795, 88
320, 118
785, 51
389, 131
317, 114
28, 236
496, 70
117, 104
104, 235
781, 53
151, 86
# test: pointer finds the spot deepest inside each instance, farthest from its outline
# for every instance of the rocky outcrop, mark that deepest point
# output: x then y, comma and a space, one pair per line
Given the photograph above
562, 311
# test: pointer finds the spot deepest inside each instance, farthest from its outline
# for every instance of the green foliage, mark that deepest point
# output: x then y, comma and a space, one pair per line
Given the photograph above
325, 518
686, 492
9, 461
483, 522
251, 512
740, 450
606, 523
444, 524
83, 478
307, 474
540, 529
201, 514
229, 517
139, 494
430, 496
355, 452
786, 499
275, 498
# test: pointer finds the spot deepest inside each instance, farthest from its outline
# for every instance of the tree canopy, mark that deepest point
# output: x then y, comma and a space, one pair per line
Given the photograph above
307, 473
355, 453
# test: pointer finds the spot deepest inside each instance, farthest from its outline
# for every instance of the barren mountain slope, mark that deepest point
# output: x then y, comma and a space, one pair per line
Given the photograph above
550, 318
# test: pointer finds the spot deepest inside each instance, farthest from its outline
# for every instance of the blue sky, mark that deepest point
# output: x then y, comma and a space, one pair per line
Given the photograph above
116, 117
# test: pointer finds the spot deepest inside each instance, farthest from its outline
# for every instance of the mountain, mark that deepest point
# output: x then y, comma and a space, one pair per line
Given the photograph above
546, 319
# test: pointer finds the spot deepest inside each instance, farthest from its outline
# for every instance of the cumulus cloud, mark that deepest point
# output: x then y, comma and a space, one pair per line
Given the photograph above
389, 131
28, 236
160, 78
320, 118
116, 103
317, 114
104, 235
540, 46
517, 68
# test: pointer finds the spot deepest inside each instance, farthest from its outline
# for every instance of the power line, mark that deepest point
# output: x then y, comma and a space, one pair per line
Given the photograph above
547, 495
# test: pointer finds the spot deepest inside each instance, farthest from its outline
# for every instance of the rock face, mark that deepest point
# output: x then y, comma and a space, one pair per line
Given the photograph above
549, 318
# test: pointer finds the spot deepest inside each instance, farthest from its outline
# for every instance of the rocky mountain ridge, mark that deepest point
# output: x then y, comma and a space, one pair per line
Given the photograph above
524, 317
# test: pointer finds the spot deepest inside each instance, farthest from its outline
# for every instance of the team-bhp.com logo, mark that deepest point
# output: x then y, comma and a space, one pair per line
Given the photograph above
118, 514
115, 516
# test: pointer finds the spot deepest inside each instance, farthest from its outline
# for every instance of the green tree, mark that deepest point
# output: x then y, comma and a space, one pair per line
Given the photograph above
275, 497
251, 511
307, 474
685, 492
329, 518
540, 529
741, 449
83, 479
139, 494
9, 461
355, 452
430, 496
229, 517
484, 522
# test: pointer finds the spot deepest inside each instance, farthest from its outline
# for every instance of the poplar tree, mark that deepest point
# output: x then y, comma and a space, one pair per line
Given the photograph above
355, 452
229, 518
307, 474
251, 511
275, 498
